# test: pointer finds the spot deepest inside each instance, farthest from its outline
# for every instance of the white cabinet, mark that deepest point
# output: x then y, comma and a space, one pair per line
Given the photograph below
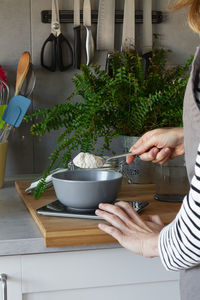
94, 274
11, 266
164, 291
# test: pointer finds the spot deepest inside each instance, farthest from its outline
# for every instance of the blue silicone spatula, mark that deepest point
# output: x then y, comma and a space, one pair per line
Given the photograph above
16, 109
14, 114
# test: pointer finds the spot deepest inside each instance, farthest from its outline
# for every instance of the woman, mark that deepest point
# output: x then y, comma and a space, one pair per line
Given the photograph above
177, 244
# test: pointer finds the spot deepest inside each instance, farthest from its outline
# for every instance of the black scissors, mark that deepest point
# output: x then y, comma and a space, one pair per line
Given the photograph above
60, 48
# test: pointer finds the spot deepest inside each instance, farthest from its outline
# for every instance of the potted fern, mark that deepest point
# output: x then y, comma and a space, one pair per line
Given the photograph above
126, 101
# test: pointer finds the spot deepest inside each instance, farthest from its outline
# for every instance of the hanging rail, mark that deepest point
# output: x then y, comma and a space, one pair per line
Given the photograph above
67, 16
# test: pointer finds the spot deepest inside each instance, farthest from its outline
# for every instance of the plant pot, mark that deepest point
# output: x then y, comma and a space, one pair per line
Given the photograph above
3, 156
139, 171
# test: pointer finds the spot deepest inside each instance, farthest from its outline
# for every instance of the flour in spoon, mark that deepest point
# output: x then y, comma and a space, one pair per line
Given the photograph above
88, 161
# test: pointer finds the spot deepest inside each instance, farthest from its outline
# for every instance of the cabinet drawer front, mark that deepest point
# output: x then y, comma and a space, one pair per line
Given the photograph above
156, 291
94, 268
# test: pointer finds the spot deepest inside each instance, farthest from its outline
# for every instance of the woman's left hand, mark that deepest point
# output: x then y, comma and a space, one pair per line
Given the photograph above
129, 229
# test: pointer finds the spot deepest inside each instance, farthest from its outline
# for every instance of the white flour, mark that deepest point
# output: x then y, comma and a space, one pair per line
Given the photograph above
88, 161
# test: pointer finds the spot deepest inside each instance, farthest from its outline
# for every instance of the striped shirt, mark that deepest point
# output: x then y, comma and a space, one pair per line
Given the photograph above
179, 242
197, 89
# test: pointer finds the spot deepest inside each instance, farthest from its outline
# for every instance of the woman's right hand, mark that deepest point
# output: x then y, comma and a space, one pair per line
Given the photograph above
159, 145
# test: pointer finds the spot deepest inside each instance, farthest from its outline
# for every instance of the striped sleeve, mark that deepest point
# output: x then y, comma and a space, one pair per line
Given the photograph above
179, 242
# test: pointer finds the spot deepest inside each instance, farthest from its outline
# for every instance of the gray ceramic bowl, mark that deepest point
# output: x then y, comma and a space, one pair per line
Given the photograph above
85, 189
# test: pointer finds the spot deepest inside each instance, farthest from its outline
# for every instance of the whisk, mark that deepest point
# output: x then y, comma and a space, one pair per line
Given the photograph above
4, 98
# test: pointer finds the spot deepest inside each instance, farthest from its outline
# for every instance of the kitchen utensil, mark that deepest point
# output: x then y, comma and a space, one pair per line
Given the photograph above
89, 38
57, 209
117, 156
147, 26
16, 110
29, 83
105, 32
3, 156
106, 25
14, 114
89, 160
5, 133
83, 190
18, 105
61, 49
77, 35
146, 61
4, 96
48, 181
4, 93
147, 34
128, 34
22, 70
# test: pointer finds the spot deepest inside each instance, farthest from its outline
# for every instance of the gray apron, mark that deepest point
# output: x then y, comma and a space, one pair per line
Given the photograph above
190, 279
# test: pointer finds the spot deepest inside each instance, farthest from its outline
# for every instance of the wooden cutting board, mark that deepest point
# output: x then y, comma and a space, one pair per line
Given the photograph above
60, 232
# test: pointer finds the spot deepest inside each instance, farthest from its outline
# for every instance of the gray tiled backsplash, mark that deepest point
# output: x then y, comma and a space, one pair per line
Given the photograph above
21, 30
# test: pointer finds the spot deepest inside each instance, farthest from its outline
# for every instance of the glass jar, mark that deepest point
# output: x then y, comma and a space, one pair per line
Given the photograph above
171, 181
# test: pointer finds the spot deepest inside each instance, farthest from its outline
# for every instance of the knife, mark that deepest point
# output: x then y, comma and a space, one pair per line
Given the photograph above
89, 43
106, 25
147, 34
147, 26
128, 34
77, 35
105, 32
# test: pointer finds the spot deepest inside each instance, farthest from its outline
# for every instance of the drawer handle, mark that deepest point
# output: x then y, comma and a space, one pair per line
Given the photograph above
3, 279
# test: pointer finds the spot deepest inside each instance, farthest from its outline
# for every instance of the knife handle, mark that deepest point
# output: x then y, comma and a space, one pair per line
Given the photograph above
77, 47
89, 45
146, 61
108, 68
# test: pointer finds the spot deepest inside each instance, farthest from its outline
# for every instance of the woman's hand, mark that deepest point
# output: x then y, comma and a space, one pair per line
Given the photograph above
159, 145
128, 228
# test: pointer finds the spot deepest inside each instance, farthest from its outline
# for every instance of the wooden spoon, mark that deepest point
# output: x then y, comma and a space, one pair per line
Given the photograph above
22, 70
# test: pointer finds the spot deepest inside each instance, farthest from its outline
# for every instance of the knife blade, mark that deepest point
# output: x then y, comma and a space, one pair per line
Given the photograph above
147, 34
128, 34
105, 33
89, 43
106, 25
77, 35
147, 26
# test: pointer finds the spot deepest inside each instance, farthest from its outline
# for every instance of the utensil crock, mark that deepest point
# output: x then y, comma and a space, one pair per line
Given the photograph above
3, 157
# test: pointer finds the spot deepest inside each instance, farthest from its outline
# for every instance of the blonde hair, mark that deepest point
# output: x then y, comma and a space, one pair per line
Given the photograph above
193, 12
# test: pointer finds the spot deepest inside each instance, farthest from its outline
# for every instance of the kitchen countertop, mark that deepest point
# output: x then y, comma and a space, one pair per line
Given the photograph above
19, 234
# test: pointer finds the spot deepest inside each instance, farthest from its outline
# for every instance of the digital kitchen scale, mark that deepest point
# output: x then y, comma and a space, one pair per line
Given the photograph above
169, 197
57, 209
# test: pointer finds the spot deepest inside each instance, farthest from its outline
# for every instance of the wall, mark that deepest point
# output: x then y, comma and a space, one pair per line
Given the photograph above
22, 30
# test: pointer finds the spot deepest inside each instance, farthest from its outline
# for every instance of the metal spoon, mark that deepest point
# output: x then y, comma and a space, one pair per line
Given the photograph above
87, 160
117, 156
